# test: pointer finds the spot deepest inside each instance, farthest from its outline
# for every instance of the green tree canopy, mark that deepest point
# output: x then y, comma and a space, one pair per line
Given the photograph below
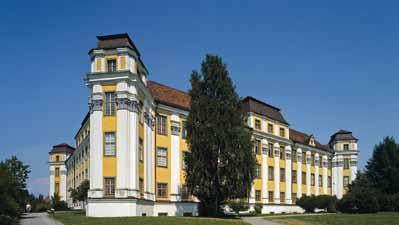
221, 164
382, 169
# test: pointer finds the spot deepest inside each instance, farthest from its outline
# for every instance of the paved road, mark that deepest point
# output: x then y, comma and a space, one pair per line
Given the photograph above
37, 219
259, 221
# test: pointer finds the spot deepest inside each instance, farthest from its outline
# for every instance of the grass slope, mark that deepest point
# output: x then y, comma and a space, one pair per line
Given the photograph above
340, 219
78, 218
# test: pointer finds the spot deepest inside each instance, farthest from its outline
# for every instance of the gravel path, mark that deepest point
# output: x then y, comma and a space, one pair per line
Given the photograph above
37, 219
259, 221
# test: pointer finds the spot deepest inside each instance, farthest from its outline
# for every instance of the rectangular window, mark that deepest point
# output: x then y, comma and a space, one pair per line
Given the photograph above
346, 181
110, 144
270, 128
109, 186
270, 154
294, 178
57, 172
282, 152
141, 187
109, 106
320, 181
312, 159
257, 147
303, 178
294, 198
282, 175
346, 163
346, 147
282, 197
162, 125
329, 182
312, 180
258, 195
271, 196
162, 157
258, 169
294, 159
271, 173
141, 149
162, 190
57, 188
282, 132
111, 65
257, 124
184, 130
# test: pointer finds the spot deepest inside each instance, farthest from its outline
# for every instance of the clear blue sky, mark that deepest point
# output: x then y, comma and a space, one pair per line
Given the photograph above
329, 65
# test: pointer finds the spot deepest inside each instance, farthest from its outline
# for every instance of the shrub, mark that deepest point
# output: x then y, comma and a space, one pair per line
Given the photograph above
238, 205
359, 202
258, 208
310, 203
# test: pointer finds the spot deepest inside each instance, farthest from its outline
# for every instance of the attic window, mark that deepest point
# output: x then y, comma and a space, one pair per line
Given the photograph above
111, 65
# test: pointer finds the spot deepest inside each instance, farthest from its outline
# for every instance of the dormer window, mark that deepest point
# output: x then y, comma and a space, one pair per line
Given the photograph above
111, 65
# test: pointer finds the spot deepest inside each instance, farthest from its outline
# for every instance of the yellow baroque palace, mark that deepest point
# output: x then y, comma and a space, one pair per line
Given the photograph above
132, 143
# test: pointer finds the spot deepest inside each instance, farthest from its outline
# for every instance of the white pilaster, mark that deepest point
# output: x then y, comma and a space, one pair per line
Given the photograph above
51, 188
316, 183
353, 167
251, 200
334, 176
288, 176
148, 150
308, 164
122, 141
299, 172
265, 178
133, 153
325, 175
340, 176
175, 158
96, 143
63, 178
276, 173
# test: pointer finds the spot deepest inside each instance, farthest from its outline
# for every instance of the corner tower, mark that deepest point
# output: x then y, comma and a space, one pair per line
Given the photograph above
344, 161
121, 115
57, 169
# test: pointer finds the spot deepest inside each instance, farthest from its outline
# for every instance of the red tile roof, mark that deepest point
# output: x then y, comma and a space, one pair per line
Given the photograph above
62, 148
302, 138
169, 96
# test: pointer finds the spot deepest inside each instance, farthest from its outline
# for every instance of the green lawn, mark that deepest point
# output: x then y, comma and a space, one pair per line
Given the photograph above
78, 218
340, 219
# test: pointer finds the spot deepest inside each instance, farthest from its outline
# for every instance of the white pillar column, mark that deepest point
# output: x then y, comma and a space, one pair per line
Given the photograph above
175, 158
340, 176
353, 167
276, 173
299, 172
265, 178
316, 176
133, 154
288, 176
96, 143
308, 164
122, 142
325, 175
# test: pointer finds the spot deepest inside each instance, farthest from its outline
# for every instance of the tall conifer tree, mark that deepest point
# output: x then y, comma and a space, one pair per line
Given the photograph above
221, 165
